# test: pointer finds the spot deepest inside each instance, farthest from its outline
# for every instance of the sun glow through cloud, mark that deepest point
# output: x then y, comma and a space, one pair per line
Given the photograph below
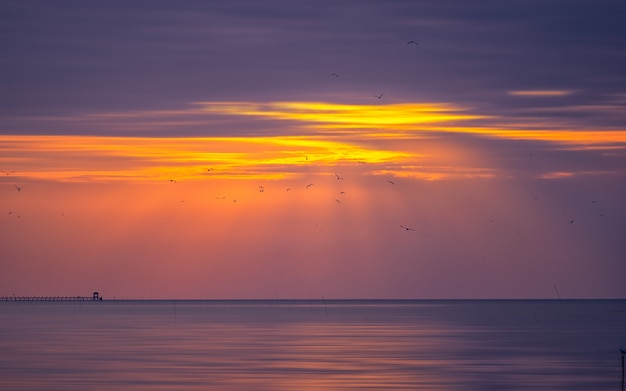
327, 135
396, 116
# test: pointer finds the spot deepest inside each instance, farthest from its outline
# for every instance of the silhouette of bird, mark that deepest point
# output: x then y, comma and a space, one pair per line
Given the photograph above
392, 182
379, 96
338, 177
406, 228
172, 180
572, 221
261, 189
19, 188
289, 188
7, 172
339, 202
334, 75
342, 192
412, 43
309, 185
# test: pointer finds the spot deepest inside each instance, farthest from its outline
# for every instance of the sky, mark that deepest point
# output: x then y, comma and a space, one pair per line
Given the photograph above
313, 150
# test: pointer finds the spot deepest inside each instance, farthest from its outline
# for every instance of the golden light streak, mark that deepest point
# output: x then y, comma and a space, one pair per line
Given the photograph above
396, 116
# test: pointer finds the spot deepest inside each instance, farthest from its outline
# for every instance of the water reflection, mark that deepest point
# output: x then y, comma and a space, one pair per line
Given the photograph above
187, 345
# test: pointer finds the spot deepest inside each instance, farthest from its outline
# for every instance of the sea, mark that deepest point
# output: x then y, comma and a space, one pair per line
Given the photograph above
313, 345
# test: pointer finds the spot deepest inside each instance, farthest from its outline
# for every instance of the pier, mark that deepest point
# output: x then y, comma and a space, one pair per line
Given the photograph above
95, 297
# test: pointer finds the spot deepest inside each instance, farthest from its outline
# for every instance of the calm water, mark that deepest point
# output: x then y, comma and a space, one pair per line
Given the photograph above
312, 345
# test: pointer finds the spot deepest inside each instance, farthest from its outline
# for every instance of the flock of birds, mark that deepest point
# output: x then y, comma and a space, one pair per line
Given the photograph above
261, 189
379, 96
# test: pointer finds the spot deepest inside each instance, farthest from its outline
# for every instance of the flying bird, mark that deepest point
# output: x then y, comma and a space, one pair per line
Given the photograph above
406, 228
309, 185
7, 172
19, 188
412, 43
572, 221
172, 180
339, 202
339, 178
392, 182
261, 189
378, 96
334, 75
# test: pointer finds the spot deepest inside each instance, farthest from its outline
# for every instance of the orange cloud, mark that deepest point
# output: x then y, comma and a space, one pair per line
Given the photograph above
154, 158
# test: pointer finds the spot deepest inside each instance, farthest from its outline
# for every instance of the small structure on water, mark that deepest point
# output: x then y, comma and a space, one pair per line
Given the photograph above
96, 296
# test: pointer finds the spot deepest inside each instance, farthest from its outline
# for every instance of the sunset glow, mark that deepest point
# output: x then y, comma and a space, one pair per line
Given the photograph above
422, 151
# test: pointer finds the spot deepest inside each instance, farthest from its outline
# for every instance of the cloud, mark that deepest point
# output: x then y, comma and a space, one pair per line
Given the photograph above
540, 93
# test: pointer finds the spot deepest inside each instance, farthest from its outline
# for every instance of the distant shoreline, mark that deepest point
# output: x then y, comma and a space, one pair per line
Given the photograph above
321, 300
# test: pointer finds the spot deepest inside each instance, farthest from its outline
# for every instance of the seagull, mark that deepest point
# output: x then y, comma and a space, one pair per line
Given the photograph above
339, 202
334, 75
390, 182
412, 42
309, 185
406, 228
338, 177
19, 188
572, 221
378, 96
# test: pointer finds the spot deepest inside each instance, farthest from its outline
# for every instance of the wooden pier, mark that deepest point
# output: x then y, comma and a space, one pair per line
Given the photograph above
94, 297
